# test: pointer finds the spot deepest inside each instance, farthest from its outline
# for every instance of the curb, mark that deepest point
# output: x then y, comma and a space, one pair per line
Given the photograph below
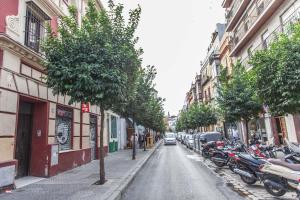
117, 192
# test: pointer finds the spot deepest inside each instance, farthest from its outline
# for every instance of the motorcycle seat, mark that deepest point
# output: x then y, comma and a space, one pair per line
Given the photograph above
295, 167
249, 158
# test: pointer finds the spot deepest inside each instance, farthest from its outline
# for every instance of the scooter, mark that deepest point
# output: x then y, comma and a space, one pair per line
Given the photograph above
280, 175
248, 168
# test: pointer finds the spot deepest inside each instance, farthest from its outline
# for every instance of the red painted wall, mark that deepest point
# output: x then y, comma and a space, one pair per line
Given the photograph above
7, 7
71, 159
8, 163
39, 149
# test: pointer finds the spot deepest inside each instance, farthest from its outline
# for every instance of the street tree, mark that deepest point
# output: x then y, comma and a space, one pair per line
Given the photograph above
277, 73
88, 61
148, 104
198, 115
182, 121
237, 98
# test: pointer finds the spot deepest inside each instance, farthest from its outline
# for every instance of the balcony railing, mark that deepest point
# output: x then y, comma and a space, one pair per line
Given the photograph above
230, 14
250, 20
282, 28
205, 79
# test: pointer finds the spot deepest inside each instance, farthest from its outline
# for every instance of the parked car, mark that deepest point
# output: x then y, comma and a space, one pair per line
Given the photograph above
182, 138
170, 138
179, 135
189, 141
210, 136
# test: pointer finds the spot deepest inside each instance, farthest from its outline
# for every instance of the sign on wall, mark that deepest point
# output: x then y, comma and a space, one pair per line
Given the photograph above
85, 107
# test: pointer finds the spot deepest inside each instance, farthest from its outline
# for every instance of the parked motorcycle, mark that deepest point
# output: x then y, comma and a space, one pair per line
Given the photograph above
227, 156
280, 175
248, 168
207, 149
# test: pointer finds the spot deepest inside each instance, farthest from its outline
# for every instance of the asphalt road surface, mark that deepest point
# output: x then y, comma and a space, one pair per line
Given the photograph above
176, 173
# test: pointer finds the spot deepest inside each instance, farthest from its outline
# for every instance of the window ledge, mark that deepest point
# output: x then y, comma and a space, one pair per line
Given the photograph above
65, 151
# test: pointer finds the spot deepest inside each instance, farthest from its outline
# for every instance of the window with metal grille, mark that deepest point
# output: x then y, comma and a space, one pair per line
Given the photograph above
35, 26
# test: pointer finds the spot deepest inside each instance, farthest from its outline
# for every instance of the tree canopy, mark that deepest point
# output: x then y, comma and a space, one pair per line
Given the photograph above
198, 115
277, 73
237, 99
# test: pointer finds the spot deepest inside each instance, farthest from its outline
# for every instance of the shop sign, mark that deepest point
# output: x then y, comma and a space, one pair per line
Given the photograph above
85, 107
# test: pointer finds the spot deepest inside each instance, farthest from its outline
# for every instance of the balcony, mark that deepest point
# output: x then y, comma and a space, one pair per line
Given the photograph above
283, 28
197, 78
252, 22
235, 13
204, 79
226, 3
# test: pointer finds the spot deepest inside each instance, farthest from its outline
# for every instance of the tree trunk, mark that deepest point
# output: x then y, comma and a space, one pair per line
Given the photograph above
101, 155
247, 135
145, 140
225, 130
133, 143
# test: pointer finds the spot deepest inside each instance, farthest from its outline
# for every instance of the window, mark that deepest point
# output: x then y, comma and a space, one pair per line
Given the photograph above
249, 51
63, 128
209, 94
35, 26
260, 7
290, 16
113, 127
265, 39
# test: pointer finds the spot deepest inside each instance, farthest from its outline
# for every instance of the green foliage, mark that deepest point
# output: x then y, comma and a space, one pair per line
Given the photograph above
88, 61
147, 107
198, 115
98, 62
236, 97
277, 73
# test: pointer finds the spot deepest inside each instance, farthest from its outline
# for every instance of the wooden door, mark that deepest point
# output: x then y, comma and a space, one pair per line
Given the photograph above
23, 139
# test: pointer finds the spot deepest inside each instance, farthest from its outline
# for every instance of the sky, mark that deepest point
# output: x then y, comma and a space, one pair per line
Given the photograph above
175, 35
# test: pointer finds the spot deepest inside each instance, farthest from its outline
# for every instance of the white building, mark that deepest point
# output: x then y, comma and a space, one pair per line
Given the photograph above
252, 26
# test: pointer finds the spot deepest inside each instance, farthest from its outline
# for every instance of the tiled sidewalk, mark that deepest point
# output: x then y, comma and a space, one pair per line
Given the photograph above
78, 183
251, 192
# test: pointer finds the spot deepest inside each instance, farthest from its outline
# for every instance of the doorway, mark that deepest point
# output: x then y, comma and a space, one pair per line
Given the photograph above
93, 136
23, 138
281, 129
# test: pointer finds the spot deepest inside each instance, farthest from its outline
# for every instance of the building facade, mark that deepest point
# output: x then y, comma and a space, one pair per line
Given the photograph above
252, 25
210, 70
41, 134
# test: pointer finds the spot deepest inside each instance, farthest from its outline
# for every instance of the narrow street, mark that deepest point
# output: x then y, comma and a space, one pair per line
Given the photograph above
174, 172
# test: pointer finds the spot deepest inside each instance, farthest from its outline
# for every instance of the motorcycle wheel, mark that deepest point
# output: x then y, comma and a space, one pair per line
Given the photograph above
249, 181
219, 164
273, 191
232, 165
205, 154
